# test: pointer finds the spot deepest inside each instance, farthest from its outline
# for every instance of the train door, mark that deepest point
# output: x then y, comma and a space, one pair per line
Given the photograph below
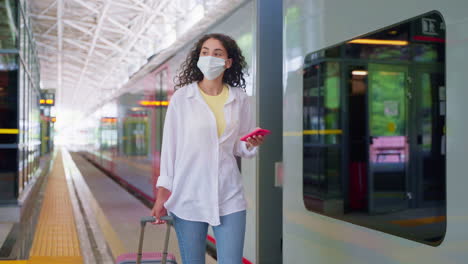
396, 135
356, 122
428, 151
388, 132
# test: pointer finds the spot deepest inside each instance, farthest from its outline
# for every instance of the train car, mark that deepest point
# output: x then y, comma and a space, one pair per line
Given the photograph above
375, 156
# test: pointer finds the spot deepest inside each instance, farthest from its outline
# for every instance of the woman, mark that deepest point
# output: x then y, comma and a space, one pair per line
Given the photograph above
200, 183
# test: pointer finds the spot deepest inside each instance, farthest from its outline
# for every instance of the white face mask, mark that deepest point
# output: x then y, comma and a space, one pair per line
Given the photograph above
211, 67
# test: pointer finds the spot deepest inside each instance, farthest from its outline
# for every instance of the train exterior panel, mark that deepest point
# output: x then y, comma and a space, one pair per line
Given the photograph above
319, 230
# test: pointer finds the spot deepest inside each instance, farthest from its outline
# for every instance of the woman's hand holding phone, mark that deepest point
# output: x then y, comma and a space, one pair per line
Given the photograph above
255, 138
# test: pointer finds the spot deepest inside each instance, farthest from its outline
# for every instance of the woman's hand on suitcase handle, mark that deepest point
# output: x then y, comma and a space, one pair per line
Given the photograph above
158, 208
157, 212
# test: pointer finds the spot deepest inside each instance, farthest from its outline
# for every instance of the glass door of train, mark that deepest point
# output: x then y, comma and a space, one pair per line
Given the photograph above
389, 128
396, 137
428, 151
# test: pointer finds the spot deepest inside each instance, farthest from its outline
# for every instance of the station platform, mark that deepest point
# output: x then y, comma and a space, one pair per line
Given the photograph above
86, 217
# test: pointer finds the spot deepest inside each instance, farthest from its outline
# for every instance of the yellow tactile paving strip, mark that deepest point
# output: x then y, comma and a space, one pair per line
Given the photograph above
56, 238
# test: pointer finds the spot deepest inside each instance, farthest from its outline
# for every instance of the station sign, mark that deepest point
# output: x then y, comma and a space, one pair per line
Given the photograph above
149, 103
47, 99
52, 119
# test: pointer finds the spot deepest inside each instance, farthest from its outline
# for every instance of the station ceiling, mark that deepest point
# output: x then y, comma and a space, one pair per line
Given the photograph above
89, 49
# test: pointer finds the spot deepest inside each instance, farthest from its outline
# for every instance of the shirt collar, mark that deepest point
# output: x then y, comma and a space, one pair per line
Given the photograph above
194, 93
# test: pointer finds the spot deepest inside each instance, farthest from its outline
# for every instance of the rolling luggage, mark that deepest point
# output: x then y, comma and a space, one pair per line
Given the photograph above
150, 257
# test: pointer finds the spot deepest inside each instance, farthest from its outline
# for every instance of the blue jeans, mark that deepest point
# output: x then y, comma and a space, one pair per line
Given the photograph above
229, 239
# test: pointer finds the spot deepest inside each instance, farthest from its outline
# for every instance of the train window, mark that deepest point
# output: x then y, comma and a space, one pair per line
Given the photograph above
374, 130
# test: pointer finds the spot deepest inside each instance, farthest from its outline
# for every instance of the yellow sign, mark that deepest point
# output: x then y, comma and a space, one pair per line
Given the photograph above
391, 127
46, 101
154, 103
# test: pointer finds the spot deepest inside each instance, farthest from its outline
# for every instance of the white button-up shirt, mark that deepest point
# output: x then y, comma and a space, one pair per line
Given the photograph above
197, 167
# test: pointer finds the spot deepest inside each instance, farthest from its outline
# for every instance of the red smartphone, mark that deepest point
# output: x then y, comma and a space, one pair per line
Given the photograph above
256, 132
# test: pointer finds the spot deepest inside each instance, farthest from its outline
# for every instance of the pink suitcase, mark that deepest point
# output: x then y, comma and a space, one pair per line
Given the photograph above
149, 257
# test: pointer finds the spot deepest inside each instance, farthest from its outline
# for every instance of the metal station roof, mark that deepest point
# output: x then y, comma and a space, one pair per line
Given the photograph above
88, 50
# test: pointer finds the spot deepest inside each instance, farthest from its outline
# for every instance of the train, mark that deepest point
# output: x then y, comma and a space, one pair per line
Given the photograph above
373, 144
377, 172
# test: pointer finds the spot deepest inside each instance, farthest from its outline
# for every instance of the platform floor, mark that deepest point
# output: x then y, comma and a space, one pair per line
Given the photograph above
88, 218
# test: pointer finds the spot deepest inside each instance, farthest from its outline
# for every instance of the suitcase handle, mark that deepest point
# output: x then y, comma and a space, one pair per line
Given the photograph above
151, 219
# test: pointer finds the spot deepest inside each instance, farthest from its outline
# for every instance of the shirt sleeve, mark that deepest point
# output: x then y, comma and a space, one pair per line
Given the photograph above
246, 126
168, 150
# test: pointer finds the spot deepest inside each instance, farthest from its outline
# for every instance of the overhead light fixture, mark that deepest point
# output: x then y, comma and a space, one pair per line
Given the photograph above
360, 73
379, 42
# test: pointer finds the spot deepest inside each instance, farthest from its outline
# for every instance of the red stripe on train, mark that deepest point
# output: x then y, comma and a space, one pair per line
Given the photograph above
431, 39
211, 239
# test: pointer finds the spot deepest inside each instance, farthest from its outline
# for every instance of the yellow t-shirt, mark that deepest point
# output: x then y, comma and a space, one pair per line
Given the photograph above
216, 104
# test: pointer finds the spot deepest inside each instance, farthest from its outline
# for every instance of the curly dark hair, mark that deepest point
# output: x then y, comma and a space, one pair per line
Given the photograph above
234, 76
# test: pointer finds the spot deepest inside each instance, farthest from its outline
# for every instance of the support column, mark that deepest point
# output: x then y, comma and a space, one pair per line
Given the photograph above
269, 54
